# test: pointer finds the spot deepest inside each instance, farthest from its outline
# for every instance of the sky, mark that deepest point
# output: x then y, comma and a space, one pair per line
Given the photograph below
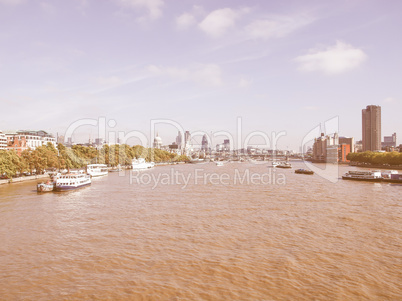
279, 66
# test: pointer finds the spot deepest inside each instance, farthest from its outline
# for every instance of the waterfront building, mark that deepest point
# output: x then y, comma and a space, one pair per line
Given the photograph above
16, 143
157, 142
332, 149
389, 141
371, 128
320, 148
343, 151
348, 141
33, 139
3, 141
332, 153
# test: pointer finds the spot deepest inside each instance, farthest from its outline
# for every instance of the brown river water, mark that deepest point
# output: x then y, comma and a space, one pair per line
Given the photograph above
299, 237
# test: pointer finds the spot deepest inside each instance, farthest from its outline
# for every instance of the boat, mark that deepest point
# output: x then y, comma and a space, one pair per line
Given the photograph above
284, 165
275, 163
219, 163
387, 174
116, 169
97, 170
304, 171
141, 164
45, 186
359, 175
72, 180
394, 177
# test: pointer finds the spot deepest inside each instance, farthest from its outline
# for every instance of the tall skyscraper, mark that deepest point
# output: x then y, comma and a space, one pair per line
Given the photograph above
371, 128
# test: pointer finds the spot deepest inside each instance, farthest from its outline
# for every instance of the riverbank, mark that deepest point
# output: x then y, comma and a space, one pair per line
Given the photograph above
23, 179
388, 167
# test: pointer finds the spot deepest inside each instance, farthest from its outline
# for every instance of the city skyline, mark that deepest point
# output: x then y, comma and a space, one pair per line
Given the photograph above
201, 63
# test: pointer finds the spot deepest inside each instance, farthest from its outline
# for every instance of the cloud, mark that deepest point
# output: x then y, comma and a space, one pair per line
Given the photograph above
219, 21
244, 83
335, 59
390, 100
185, 21
207, 74
276, 26
11, 2
154, 7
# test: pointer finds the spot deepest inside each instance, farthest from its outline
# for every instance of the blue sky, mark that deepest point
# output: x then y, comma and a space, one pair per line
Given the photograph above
280, 65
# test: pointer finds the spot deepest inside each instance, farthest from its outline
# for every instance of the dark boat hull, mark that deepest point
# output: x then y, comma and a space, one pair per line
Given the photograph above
304, 172
362, 180
69, 188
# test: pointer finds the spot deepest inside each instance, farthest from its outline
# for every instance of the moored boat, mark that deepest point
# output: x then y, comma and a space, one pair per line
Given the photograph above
97, 170
72, 181
45, 186
141, 164
394, 178
219, 163
359, 175
284, 165
304, 171
275, 163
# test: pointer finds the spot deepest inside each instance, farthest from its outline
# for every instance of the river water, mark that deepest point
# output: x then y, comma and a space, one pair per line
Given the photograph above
222, 236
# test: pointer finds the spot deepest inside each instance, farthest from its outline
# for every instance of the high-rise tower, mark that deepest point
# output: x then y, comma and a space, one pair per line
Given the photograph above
371, 128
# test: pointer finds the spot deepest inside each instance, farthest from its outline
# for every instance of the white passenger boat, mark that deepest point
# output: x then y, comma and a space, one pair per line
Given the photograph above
219, 163
45, 186
360, 175
72, 180
284, 165
275, 163
141, 164
96, 170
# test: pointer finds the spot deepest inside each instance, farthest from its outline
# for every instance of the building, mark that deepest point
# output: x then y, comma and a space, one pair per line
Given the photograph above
332, 153
358, 146
99, 142
343, 151
157, 142
320, 148
204, 143
389, 141
60, 139
226, 145
3, 141
33, 139
371, 128
16, 143
184, 146
325, 148
348, 141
